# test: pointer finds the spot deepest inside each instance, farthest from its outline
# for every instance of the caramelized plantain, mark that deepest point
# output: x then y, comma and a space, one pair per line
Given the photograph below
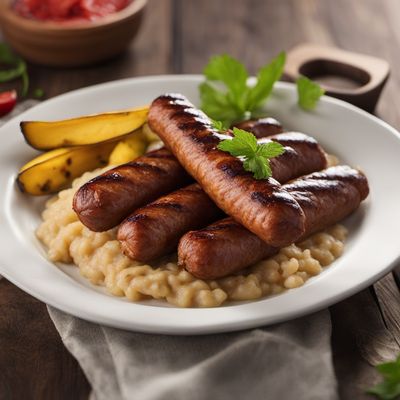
55, 170
128, 149
84, 130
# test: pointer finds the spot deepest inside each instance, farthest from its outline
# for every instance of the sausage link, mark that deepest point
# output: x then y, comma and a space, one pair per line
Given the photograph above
261, 205
155, 229
221, 249
302, 156
107, 199
262, 127
144, 239
226, 247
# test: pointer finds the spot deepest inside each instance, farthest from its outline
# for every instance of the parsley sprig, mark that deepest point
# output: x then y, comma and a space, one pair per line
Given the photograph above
255, 156
227, 96
308, 92
16, 68
389, 389
236, 100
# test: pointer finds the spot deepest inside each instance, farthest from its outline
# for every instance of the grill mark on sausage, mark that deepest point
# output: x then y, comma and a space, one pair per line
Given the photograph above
210, 231
147, 167
188, 113
273, 198
166, 205
331, 179
192, 125
293, 137
262, 127
315, 186
136, 217
220, 227
191, 189
203, 234
207, 140
158, 156
289, 153
232, 169
114, 177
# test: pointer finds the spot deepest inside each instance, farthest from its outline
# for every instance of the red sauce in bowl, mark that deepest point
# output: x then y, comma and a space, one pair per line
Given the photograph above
63, 10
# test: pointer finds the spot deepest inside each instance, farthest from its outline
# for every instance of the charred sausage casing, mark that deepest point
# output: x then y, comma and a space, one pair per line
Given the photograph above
226, 247
261, 205
302, 156
261, 127
107, 199
154, 230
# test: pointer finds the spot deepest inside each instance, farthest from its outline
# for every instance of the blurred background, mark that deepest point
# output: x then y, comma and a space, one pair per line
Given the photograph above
179, 36
175, 37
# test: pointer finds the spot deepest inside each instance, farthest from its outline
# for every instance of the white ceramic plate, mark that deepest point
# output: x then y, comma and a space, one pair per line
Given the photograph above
355, 136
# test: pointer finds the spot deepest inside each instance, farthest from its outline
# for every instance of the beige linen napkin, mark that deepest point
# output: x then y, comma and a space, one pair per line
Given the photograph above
288, 361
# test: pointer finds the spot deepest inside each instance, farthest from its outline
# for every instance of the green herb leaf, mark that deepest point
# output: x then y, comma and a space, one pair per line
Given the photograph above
255, 156
309, 93
389, 389
17, 68
243, 144
6, 55
266, 78
38, 93
226, 95
259, 166
229, 71
25, 83
270, 149
216, 104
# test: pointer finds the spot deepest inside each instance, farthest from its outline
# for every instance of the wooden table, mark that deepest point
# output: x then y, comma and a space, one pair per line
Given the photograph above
179, 36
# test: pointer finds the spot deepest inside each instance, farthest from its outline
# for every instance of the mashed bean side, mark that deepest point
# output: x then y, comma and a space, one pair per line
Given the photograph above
99, 259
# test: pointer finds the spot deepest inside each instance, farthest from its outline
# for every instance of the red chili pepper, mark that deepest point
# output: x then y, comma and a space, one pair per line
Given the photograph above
7, 101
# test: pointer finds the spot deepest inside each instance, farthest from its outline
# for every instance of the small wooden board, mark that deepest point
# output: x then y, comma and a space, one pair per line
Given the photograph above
356, 78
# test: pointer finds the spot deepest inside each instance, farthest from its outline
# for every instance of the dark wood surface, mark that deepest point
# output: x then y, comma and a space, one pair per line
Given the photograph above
178, 36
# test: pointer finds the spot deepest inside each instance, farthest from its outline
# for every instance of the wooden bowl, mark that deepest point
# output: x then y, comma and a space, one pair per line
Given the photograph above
70, 44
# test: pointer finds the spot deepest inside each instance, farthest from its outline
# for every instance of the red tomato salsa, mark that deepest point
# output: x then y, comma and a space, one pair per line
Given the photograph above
61, 10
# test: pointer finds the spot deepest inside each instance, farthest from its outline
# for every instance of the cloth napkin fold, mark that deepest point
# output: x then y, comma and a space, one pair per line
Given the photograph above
288, 361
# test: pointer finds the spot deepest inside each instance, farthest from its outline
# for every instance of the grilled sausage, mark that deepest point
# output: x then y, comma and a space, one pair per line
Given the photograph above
302, 156
221, 249
155, 229
99, 214
261, 205
262, 127
226, 247
106, 200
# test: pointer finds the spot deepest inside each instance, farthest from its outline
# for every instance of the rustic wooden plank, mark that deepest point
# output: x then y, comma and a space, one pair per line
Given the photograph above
33, 361
359, 338
388, 297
